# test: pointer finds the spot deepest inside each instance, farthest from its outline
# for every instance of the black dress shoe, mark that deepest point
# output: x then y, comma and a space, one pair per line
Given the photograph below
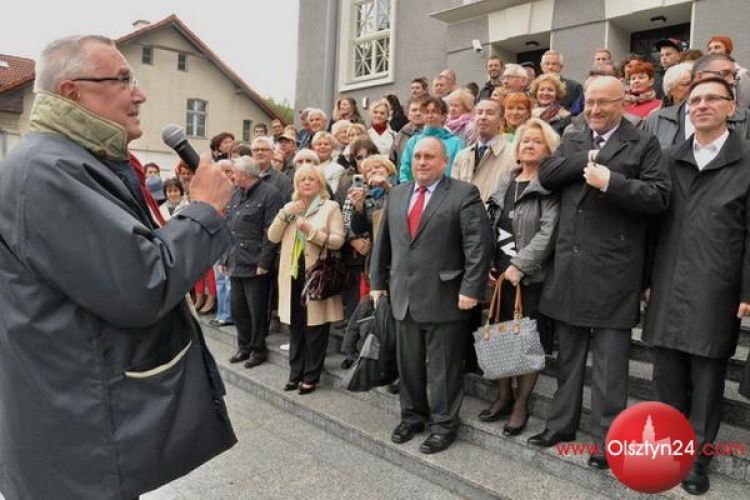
598, 460
404, 432
347, 363
306, 389
436, 443
291, 386
509, 430
548, 438
696, 482
254, 361
487, 415
239, 356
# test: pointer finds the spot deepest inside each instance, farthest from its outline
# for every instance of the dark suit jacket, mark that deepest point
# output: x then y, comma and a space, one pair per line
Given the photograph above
450, 254
598, 268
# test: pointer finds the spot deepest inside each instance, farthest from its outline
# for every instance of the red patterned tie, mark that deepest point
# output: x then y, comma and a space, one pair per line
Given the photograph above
415, 214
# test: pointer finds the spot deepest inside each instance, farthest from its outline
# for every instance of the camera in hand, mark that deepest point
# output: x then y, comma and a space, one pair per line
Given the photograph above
358, 181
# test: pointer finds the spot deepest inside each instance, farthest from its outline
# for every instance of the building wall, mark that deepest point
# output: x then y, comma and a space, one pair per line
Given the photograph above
310, 54
168, 90
723, 17
468, 64
577, 44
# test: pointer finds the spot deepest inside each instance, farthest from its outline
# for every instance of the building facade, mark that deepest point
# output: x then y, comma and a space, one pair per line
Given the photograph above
380, 45
185, 83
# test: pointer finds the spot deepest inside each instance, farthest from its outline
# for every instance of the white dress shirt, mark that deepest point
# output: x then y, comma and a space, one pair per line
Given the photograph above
704, 154
427, 195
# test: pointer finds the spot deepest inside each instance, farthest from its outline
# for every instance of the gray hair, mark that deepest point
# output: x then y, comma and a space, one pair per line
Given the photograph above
316, 111
246, 165
264, 139
305, 154
64, 59
554, 53
224, 163
515, 70
674, 75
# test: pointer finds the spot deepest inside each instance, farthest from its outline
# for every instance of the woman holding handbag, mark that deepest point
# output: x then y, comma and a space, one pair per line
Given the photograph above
305, 226
524, 217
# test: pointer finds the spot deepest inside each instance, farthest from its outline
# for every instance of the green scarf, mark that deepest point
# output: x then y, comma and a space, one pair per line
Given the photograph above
300, 238
55, 114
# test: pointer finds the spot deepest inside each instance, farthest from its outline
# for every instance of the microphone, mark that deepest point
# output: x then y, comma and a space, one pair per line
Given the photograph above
174, 137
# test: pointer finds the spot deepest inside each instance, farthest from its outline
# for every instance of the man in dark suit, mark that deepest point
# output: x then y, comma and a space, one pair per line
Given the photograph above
610, 180
700, 287
432, 255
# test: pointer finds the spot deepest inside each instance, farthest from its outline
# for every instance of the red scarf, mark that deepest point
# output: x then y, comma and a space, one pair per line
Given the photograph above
150, 201
379, 128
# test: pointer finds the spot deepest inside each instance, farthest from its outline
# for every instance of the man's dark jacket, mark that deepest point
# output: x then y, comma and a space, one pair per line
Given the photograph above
249, 215
449, 255
701, 266
280, 182
667, 124
107, 389
597, 274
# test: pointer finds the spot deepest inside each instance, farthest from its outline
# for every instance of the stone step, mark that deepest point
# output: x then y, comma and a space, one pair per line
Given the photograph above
467, 470
484, 437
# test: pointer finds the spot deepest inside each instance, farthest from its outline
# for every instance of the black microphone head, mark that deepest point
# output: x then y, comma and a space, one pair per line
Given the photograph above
172, 135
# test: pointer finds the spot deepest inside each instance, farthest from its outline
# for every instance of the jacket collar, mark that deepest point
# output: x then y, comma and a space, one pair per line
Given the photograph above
55, 114
730, 153
534, 187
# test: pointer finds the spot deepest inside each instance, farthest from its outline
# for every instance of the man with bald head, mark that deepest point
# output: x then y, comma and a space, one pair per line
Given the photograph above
610, 180
431, 256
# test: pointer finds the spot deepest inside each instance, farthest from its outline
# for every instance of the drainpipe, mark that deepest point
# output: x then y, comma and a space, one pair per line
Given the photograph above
329, 63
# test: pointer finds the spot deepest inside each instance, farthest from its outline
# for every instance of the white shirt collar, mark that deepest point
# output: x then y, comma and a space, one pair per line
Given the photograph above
606, 135
430, 188
704, 154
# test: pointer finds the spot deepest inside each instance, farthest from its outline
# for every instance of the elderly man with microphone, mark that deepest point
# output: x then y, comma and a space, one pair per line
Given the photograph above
107, 389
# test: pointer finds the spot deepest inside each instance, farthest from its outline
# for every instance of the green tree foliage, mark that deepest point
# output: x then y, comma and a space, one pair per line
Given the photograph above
283, 109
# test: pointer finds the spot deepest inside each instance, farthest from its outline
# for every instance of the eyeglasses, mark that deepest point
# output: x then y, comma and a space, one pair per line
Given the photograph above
590, 103
710, 99
129, 81
722, 73
261, 150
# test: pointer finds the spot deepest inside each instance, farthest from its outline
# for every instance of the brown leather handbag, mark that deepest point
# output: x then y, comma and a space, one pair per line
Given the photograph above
326, 278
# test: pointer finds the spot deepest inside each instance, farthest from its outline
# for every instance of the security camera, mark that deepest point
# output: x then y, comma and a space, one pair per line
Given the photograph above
477, 46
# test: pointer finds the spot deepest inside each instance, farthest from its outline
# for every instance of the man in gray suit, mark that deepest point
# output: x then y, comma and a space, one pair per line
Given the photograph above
432, 254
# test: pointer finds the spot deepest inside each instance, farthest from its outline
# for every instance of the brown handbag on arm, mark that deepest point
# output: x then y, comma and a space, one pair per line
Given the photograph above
326, 278
508, 348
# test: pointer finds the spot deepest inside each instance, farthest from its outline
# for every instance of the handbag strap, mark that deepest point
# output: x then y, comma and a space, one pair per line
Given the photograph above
518, 304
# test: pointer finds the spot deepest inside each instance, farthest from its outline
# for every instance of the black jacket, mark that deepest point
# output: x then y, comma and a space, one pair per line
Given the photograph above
249, 215
701, 266
597, 273
279, 181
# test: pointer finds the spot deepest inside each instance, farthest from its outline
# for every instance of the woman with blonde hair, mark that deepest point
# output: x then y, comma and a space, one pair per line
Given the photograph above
345, 109
304, 227
548, 90
380, 131
524, 216
461, 116
324, 144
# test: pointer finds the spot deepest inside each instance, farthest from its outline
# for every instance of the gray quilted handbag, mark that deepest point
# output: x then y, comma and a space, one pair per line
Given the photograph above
508, 348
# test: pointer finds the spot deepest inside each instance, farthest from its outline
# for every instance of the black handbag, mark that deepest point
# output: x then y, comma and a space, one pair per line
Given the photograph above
326, 278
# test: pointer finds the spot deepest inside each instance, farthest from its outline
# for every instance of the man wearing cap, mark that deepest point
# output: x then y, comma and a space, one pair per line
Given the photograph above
669, 55
287, 143
252, 209
672, 126
720, 44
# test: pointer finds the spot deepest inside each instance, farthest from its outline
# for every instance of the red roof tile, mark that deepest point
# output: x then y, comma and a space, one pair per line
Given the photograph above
15, 72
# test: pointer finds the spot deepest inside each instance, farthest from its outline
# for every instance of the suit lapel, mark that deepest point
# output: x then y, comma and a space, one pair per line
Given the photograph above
437, 198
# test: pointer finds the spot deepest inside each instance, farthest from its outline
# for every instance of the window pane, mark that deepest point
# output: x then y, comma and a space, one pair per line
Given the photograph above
381, 54
147, 55
384, 14
364, 18
182, 62
363, 59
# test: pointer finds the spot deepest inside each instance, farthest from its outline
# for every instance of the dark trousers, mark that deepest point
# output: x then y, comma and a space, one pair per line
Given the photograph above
695, 386
431, 352
351, 292
609, 377
307, 344
250, 312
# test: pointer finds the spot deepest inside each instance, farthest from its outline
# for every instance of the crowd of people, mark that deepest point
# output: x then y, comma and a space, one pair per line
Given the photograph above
571, 190
590, 198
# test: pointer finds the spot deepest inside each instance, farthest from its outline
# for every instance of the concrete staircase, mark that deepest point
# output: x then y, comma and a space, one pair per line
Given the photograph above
483, 463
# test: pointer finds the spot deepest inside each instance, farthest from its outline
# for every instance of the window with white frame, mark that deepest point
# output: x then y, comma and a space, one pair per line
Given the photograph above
371, 28
195, 125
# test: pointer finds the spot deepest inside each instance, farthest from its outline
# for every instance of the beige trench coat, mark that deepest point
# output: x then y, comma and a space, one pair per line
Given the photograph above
327, 223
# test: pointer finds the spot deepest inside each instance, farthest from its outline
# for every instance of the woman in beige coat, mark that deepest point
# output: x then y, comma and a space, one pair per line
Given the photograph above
304, 226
